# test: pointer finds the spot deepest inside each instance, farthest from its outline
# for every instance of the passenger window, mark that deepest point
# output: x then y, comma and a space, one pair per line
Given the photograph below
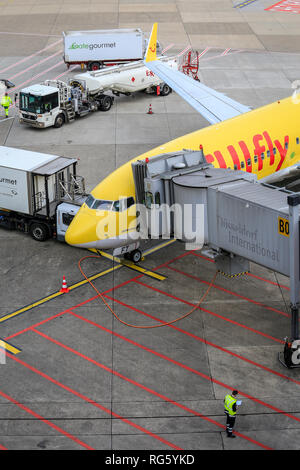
249, 162
297, 140
262, 156
157, 198
235, 167
242, 165
274, 151
255, 158
268, 153
286, 145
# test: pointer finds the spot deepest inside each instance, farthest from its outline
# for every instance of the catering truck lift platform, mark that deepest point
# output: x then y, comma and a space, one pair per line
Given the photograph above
39, 193
230, 214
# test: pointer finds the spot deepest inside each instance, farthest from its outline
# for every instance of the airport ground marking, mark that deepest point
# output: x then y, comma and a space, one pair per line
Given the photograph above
92, 402
235, 294
44, 420
4, 345
137, 384
287, 6
29, 57
244, 4
183, 365
79, 284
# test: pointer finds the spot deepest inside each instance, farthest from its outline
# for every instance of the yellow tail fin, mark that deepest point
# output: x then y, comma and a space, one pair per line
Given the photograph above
151, 50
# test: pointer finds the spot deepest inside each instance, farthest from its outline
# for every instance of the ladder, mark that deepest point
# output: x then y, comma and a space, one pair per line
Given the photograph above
70, 111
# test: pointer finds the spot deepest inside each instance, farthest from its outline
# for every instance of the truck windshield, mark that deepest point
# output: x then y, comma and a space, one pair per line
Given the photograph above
38, 104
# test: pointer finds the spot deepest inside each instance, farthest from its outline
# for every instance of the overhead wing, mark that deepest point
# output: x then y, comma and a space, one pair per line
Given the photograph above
212, 105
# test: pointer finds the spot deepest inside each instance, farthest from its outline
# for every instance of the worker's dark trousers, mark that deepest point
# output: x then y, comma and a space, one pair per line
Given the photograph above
229, 423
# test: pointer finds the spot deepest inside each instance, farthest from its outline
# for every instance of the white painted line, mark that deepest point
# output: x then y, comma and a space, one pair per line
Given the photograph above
30, 56
31, 34
6, 119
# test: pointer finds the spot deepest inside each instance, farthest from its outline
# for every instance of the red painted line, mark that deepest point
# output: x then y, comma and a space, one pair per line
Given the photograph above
198, 339
235, 294
210, 312
268, 281
167, 48
137, 384
248, 274
2, 447
64, 73
38, 75
226, 51
200, 308
122, 284
46, 421
30, 57
35, 325
35, 65
89, 400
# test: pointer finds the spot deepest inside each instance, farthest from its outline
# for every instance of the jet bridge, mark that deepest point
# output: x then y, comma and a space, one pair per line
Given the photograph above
239, 219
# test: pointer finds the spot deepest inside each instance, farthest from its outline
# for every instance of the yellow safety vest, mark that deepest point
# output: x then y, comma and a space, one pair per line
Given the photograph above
6, 100
228, 403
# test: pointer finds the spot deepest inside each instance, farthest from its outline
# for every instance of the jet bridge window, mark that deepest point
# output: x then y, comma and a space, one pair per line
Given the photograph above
149, 199
157, 198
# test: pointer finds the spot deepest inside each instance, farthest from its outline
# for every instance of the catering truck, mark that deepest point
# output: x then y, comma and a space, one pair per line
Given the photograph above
53, 102
98, 48
39, 193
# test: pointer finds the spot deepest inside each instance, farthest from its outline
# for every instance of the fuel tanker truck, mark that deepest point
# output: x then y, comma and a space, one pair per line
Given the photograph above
54, 102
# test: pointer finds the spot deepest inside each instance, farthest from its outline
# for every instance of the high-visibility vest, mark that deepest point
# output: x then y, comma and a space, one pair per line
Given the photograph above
228, 403
6, 101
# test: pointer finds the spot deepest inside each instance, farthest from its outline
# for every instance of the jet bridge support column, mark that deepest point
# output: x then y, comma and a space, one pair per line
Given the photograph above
292, 347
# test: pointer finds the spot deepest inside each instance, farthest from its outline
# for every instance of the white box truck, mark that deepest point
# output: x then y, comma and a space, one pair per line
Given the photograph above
98, 48
39, 193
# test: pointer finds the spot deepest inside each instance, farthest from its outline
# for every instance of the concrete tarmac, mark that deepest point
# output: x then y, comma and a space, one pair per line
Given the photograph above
82, 379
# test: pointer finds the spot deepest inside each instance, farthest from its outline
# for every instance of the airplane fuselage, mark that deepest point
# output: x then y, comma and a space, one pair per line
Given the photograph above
263, 141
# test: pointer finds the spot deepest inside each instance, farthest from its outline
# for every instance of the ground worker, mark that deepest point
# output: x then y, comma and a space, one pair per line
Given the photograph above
5, 103
230, 408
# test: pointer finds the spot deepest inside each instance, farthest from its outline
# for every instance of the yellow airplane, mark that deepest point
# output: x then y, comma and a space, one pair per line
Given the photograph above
265, 141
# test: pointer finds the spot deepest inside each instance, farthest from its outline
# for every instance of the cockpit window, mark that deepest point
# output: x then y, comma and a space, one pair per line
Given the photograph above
102, 205
117, 206
99, 204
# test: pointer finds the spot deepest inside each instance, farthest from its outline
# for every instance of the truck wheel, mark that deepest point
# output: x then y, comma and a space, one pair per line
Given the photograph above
39, 232
106, 103
59, 120
95, 66
165, 89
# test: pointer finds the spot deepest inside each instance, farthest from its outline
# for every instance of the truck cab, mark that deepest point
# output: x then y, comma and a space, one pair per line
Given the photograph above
39, 105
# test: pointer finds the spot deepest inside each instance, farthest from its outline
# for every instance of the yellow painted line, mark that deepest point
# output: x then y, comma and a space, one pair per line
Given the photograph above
92, 278
131, 265
9, 347
56, 294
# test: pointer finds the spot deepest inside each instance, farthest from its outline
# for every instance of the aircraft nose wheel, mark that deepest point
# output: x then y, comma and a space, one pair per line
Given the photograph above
135, 256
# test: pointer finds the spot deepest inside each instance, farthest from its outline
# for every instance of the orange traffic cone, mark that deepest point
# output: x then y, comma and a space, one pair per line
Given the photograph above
150, 110
64, 288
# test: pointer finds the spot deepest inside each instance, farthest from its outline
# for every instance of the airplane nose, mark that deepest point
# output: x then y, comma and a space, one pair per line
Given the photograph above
82, 230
